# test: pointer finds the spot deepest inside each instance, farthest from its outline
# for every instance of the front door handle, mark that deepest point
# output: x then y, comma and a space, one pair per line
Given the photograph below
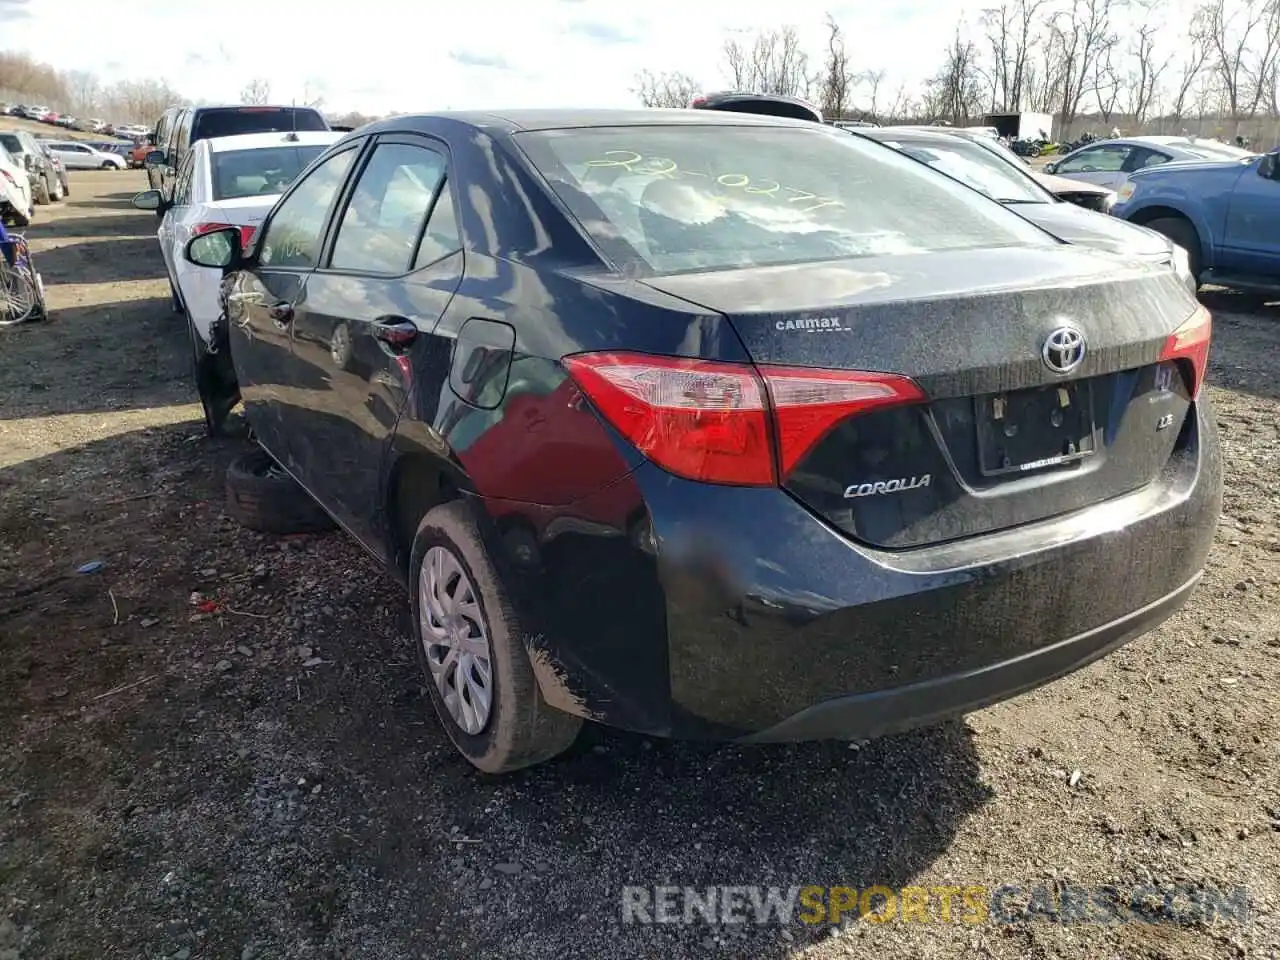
395, 332
281, 314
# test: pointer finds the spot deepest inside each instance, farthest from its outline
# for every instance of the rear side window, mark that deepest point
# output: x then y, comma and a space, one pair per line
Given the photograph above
251, 173
11, 143
712, 197
233, 121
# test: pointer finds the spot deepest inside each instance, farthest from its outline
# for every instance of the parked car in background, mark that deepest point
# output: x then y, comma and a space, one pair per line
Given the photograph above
36, 113
46, 185
710, 425
1012, 183
136, 156
63, 187
16, 204
181, 128
81, 156
762, 104
1227, 215
1108, 163
133, 131
224, 181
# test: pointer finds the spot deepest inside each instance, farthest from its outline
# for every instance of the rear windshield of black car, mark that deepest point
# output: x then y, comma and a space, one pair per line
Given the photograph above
693, 197
233, 121
267, 170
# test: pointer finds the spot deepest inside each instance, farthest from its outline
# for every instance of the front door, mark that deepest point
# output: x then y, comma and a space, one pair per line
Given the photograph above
1102, 164
172, 231
394, 263
264, 301
1251, 245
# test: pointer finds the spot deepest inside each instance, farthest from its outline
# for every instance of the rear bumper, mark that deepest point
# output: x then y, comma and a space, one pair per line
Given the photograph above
874, 714
682, 609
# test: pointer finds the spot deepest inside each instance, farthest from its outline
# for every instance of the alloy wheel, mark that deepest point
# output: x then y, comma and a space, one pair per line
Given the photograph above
455, 640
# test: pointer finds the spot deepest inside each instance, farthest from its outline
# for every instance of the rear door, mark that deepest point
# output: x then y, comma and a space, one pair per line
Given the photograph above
394, 263
263, 303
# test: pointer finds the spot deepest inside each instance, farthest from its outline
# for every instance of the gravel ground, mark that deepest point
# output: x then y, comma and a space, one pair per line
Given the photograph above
258, 776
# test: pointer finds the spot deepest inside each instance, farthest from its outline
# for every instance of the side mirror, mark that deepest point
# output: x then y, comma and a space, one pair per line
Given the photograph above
29, 161
217, 248
148, 200
154, 158
1050, 168
1269, 166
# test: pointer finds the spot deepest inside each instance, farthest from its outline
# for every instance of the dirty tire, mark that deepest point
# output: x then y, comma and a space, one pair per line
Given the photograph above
1182, 233
263, 497
42, 191
522, 729
55, 190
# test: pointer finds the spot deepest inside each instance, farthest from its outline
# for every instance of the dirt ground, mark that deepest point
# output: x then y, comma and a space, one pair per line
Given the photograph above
264, 781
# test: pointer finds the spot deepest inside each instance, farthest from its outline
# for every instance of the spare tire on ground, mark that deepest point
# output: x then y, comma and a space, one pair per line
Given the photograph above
263, 497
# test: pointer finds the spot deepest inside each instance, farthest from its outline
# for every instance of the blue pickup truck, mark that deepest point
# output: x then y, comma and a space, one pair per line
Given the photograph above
1226, 214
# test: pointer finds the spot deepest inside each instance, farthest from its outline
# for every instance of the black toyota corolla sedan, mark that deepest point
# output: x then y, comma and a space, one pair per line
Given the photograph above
717, 426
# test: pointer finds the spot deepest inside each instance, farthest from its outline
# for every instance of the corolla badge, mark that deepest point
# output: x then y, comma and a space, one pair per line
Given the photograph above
887, 486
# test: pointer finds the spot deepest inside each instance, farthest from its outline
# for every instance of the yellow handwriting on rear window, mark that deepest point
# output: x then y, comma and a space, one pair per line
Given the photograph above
640, 165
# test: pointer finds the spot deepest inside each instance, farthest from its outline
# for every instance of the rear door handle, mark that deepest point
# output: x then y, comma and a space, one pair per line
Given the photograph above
395, 332
281, 314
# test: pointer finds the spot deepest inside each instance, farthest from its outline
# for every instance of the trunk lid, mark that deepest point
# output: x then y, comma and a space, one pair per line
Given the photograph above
242, 211
1003, 438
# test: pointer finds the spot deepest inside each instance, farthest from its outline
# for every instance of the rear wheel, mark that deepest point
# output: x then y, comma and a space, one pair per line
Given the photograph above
55, 190
1181, 232
470, 641
108, 165
41, 190
263, 497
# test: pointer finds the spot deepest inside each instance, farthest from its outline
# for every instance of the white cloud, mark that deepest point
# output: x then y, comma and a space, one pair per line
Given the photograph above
382, 55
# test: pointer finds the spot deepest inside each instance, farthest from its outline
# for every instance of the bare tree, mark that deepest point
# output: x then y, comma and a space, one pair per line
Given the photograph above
1107, 84
83, 92
664, 89
954, 92
1192, 64
1080, 34
774, 63
1012, 32
837, 82
1243, 48
873, 80
1142, 81
313, 91
258, 91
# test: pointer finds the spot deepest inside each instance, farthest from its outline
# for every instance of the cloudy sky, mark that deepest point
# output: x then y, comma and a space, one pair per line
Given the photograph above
381, 55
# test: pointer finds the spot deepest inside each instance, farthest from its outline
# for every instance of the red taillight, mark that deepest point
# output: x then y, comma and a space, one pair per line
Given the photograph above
717, 422
246, 232
8, 176
1190, 343
808, 403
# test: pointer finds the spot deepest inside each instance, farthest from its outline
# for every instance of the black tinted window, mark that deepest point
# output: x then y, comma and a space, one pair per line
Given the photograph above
248, 173
234, 121
11, 143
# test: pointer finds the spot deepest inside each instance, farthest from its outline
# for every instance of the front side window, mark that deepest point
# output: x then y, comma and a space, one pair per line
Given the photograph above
1103, 159
380, 227
182, 189
293, 237
264, 171
694, 197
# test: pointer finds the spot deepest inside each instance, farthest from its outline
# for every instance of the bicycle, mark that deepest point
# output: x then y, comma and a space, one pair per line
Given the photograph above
21, 289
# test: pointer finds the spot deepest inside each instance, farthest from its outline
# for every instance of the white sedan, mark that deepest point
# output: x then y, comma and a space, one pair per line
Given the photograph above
224, 181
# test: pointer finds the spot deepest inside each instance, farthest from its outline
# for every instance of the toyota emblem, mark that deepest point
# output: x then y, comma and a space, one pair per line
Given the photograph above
1063, 350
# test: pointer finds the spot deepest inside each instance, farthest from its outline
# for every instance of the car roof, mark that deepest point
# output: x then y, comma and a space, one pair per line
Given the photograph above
516, 121
262, 141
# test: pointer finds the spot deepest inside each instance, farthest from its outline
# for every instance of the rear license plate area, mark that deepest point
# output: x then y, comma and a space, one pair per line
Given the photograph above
1026, 430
